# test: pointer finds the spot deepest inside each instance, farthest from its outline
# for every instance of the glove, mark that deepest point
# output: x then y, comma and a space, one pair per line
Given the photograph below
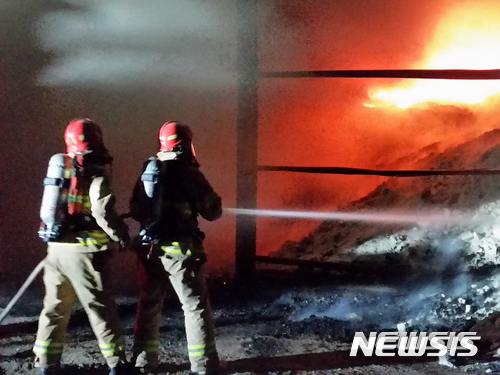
124, 243
48, 234
145, 237
143, 243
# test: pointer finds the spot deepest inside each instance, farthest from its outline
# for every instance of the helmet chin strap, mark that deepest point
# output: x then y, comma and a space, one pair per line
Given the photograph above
84, 164
179, 154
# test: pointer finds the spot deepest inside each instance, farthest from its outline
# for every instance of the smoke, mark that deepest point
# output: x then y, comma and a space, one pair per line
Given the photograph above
447, 252
387, 308
342, 310
362, 306
118, 44
439, 286
322, 122
109, 59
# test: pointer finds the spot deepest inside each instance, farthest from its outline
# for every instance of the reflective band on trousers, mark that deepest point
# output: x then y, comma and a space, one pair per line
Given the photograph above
48, 347
201, 350
107, 349
175, 249
95, 238
150, 346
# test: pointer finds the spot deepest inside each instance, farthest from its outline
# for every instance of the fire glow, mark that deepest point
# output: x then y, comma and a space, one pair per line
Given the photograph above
466, 38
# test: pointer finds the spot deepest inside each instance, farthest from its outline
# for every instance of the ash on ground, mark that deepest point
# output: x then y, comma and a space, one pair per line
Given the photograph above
296, 322
388, 277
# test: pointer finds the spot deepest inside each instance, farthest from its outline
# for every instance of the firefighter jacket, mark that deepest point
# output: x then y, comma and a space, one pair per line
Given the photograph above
77, 266
182, 194
176, 255
91, 220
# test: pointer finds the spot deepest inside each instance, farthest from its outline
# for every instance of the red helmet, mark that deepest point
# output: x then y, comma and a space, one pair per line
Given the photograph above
83, 136
174, 134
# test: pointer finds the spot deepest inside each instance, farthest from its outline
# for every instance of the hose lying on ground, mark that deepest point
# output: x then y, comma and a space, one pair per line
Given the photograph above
21, 291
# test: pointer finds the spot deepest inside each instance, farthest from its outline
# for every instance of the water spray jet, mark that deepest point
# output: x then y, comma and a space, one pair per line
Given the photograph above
429, 218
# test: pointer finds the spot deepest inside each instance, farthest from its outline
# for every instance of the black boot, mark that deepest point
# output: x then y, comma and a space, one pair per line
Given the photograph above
146, 370
119, 370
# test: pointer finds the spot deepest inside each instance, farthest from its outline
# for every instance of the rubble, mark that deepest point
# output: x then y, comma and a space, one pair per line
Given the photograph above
454, 276
449, 282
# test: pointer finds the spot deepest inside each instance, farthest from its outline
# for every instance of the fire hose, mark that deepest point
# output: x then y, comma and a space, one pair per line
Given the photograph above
30, 279
308, 215
23, 288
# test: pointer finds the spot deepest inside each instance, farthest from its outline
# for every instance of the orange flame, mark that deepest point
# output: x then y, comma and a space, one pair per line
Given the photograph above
467, 38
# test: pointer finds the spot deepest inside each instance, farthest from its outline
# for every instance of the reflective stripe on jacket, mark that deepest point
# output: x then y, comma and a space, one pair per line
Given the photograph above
97, 205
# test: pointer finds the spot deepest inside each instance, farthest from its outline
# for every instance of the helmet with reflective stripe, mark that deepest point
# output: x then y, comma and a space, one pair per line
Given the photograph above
84, 143
175, 136
83, 136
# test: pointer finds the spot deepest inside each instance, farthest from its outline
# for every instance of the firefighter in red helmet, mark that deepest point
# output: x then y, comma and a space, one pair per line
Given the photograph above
168, 197
78, 222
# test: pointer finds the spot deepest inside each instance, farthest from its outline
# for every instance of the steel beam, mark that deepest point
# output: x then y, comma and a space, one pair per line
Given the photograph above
402, 73
247, 117
375, 172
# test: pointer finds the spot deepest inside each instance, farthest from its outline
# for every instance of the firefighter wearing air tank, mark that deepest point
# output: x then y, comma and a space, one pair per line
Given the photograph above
78, 222
167, 199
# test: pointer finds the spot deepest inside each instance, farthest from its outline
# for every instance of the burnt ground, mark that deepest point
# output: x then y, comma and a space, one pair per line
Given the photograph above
285, 322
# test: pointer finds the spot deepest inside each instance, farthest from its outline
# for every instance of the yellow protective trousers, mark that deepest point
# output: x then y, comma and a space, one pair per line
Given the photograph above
186, 272
71, 274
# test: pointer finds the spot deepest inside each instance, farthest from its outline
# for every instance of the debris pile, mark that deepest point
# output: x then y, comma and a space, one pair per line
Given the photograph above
451, 280
468, 242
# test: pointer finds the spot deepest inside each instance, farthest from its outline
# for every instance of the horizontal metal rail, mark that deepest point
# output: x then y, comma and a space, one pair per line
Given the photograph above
340, 266
375, 172
301, 262
400, 73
